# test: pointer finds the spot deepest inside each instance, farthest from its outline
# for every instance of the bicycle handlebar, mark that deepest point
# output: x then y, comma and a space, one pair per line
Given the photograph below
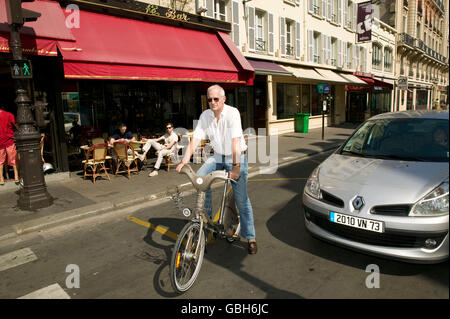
202, 183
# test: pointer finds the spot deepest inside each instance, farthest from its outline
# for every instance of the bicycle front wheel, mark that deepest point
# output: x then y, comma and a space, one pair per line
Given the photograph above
186, 262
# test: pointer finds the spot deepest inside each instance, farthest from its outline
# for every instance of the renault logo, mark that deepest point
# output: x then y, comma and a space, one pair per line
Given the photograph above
358, 203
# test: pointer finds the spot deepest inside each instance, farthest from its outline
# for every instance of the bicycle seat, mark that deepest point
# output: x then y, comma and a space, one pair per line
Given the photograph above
202, 183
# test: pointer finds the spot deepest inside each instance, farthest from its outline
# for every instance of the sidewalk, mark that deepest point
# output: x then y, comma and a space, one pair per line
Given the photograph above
75, 198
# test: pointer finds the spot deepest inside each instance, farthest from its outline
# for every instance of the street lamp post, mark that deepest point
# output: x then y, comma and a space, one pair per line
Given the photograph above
33, 193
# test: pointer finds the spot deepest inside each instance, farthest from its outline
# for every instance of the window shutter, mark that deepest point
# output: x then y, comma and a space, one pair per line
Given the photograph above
330, 9
357, 55
310, 46
339, 20
345, 53
251, 29
210, 7
310, 6
270, 48
323, 60
329, 49
355, 9
339, 53
297, 41
283, 36
345, 12
364, 65
235, 20
324, 8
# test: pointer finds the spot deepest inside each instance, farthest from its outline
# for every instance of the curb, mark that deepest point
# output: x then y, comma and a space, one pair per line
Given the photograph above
46, 222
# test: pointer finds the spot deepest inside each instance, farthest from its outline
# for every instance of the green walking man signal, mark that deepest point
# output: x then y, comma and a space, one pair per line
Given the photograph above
21, 69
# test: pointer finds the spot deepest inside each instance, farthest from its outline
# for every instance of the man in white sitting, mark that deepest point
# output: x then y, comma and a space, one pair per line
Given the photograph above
170, 140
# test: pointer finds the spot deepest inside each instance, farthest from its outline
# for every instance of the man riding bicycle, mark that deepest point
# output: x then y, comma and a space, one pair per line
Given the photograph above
221, 124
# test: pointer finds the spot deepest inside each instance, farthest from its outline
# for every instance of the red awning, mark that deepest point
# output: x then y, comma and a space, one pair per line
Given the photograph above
110, 47
39, 37
372, 84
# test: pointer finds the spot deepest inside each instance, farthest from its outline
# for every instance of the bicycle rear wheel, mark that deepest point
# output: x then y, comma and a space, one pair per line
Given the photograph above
185, 264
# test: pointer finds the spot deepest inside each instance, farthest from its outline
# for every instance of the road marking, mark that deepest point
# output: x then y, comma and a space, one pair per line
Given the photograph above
16, 258
160, 229
51, 292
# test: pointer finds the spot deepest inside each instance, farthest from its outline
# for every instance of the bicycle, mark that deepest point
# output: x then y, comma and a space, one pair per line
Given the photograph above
187, 256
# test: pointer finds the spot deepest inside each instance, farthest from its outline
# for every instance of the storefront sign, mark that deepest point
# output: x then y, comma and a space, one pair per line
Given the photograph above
402, 83
364, 21
323, 88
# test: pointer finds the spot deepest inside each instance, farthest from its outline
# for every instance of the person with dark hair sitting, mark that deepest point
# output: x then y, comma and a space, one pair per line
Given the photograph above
121, 134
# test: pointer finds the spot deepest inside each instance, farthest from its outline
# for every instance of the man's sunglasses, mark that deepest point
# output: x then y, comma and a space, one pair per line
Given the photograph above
216, 99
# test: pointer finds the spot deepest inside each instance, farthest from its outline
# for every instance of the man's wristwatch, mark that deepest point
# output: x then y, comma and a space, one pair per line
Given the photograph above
236, 164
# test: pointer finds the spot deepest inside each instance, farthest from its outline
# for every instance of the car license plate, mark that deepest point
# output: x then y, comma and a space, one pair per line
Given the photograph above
357, 222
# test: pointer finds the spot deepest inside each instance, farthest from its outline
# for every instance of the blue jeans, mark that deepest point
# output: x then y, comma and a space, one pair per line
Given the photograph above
220, 162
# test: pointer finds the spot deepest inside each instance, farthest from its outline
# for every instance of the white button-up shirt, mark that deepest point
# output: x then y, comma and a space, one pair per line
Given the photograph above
221, 133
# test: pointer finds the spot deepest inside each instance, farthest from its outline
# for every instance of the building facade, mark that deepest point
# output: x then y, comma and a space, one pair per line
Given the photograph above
421, 51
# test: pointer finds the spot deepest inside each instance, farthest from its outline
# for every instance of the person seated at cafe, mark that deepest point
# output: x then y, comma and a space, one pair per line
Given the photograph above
168, 146
75, 133
121, 134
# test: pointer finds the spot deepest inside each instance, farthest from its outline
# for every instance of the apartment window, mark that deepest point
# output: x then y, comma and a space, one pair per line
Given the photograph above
316, 49
333, 51
290, 32
349, 14
376, 56
260, 39
314, 6
220, 10
349, 63
388, 59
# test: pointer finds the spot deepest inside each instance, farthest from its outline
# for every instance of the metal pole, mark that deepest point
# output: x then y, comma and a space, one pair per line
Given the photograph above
33, 193
323, 119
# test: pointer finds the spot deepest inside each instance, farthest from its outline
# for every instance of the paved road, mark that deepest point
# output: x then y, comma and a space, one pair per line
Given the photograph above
125, 254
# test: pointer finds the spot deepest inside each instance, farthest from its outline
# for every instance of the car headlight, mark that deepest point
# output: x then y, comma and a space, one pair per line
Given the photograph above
312, 186
433, 204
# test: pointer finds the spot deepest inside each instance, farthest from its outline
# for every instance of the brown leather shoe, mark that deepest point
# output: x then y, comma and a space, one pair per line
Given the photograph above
252, 248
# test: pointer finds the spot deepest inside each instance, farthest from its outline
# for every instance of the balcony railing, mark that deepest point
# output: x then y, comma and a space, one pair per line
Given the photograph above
333, 62
407, 39
260, 45
316, 9
421, 45
349, 65
316, 58
290, 50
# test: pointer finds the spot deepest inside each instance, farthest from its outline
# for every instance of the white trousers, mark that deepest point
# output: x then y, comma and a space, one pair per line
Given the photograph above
159, 147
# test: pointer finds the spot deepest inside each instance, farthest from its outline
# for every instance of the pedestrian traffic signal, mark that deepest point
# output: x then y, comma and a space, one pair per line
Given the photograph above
21, 69
16, 15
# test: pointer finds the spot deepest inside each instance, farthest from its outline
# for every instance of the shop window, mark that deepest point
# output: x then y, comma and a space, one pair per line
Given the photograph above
306, 98
287, 100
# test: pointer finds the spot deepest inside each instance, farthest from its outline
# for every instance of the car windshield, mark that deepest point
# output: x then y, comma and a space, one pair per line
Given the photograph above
410, 139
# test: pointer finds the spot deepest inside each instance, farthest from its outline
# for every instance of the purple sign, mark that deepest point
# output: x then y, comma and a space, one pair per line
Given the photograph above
364, 21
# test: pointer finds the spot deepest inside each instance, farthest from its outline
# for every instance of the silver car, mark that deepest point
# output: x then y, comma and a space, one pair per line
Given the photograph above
385, 190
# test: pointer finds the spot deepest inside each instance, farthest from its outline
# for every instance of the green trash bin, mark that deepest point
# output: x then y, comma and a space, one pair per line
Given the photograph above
301, 122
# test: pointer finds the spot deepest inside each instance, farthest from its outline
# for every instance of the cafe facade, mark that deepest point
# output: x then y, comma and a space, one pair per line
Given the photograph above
103, 63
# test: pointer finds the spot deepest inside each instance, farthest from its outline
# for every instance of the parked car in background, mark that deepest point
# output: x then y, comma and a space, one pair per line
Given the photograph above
69, 117
385, 191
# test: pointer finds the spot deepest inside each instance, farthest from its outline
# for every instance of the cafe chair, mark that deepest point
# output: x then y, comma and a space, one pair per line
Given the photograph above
174, 158
98, 140
95, 160
125, 158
